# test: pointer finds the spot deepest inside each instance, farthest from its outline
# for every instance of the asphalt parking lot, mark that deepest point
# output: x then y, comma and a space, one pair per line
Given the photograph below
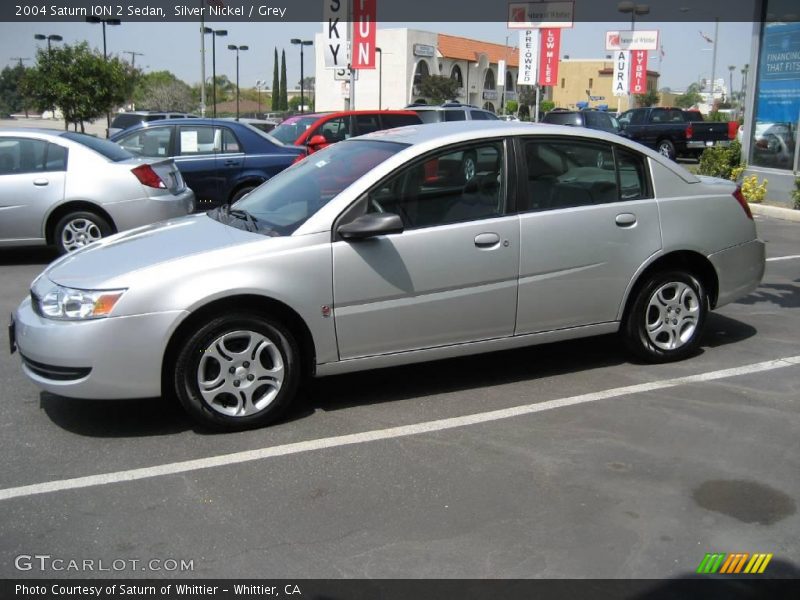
565, 460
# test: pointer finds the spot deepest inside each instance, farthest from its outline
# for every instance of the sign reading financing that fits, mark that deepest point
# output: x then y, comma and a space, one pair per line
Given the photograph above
335, 33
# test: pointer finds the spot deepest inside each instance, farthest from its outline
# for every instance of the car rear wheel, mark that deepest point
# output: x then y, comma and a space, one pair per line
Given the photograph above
666, 148
79, 229
667, 317
237, 372
469, 166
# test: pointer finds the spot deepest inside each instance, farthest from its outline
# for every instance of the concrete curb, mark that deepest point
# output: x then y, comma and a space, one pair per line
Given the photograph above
776, 212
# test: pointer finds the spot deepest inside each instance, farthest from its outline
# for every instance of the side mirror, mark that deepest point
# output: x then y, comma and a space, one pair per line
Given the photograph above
317, 140
371, 225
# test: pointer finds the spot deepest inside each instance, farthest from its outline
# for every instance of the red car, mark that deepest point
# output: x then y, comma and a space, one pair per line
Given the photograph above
318, 130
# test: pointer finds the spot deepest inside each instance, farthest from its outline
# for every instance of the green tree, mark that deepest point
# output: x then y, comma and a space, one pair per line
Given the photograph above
546, 106
438, 88
284, 92
512, 106
276, 86
11, 98
79, 81
690, 97
651, 98
162, 90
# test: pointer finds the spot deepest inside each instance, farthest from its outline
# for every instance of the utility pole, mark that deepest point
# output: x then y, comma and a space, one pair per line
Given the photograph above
203, 61
133, 66
714, 59
21, 66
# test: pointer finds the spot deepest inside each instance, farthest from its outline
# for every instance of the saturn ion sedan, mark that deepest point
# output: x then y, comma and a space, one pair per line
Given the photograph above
378, 251
69, 189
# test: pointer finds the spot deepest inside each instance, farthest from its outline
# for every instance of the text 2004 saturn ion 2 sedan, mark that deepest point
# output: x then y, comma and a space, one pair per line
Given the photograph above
376, 252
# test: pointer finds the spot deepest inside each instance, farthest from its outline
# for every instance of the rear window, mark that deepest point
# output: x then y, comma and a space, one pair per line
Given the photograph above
563, 118
598, 120
109, 150
430, 116
126, 120
390, 121
291, 129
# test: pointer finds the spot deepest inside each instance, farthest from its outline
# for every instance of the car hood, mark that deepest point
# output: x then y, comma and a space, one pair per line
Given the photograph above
144, 247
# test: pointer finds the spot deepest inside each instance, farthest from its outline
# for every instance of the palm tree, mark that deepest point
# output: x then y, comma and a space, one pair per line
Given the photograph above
744, 79
731, 69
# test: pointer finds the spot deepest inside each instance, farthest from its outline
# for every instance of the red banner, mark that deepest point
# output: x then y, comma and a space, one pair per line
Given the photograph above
550, 40
364, 30
638, 71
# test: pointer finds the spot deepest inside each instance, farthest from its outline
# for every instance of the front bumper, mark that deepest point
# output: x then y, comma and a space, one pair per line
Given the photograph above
739, 270
112, 358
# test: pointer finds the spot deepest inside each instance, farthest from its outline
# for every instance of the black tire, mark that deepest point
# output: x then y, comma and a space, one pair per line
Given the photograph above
666, 319
77, 229
242, 192
469, 166
666, 148
219, 409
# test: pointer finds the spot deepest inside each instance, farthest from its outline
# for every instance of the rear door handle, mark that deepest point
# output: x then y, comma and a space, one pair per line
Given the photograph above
41, 182
625, 220
487, 240
231, 162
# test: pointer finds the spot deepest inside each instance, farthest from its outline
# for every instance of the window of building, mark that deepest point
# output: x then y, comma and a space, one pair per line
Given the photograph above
456, 74
591, 82
563, 81
489, 81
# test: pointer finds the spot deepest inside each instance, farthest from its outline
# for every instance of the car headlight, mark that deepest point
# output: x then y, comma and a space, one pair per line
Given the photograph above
69, 304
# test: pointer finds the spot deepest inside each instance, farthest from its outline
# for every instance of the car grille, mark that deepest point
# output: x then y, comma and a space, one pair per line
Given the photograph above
55, 373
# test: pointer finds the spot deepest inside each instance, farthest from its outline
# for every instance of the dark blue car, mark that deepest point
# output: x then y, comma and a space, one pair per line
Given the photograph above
220, 160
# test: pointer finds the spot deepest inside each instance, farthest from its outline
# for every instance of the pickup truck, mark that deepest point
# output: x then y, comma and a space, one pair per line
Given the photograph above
671, 131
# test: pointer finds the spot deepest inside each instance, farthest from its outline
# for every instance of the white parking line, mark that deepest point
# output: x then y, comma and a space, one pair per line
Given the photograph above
783, 257
383, 434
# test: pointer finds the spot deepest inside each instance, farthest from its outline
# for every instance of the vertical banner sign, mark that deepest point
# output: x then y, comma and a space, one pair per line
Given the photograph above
334, 33
364, 34
501, 72
528, 46
548, 56
622, 62
639, 71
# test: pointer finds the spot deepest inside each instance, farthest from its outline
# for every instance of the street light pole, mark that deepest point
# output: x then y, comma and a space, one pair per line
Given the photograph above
103, 22
52, 37
215, 33
301, 43
635, 9
380, 75
237, 49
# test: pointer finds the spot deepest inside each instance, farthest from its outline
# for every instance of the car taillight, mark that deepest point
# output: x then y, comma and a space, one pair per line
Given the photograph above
689, 131
742, 202
147, 176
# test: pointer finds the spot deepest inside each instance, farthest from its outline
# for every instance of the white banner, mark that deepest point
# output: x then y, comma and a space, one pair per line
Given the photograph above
528, 60
335, 28
501, 72
632, 40
622, 67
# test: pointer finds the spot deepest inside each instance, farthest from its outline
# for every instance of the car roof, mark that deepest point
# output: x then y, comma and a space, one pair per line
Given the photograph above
35, 130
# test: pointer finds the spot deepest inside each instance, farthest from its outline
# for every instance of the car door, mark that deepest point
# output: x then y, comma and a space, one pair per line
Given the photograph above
450, 277
333, 130
231, 160
197, 147
589, 221
32, 178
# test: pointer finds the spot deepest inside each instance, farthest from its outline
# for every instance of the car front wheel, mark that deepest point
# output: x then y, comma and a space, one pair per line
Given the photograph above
667, 317
237, 372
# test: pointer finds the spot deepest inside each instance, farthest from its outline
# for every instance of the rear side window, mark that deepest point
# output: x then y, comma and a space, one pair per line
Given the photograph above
599, 120
563, 118
367, 124
430, 116
390, 121
479, 115
633, 180
455, 115
107, 149
56, 158
21, 155
124, 121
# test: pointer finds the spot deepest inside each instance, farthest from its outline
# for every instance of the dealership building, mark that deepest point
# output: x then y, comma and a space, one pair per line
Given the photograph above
406, 57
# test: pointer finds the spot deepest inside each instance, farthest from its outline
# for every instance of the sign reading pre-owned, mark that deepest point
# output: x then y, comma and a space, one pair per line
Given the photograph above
528, 46
364, 34
334, 33
638, 71
622, 61
548, 56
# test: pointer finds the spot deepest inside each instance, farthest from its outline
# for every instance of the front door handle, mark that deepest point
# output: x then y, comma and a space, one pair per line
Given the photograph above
487, 240
231, 162
625, 220
41, 181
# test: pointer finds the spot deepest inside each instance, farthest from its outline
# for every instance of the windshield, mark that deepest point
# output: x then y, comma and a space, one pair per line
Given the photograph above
283, 203
292, 128
110, 150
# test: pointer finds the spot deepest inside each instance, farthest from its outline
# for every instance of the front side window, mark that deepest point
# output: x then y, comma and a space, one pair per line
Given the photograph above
335, 130
152, 142
453, 186
21, 155
571, 173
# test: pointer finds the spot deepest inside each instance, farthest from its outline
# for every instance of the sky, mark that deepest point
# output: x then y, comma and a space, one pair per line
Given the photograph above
176, 46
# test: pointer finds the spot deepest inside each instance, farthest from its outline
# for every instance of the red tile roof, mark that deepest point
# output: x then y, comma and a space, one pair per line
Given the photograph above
452, 46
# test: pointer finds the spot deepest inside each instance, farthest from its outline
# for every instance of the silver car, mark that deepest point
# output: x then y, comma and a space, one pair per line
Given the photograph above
377, 252
69, 189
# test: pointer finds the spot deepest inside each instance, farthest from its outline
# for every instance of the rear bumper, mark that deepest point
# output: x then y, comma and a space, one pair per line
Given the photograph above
144, 211
739, 270
702, 145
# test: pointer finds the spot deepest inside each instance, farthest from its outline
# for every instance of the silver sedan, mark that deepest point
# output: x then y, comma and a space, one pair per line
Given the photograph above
385, 250
69, 189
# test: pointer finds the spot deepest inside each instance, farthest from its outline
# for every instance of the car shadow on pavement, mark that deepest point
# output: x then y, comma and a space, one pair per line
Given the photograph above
785, 295
116, 418
27, 256
484, 370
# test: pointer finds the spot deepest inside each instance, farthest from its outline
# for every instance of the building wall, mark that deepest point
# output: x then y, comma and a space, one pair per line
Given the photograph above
576, 76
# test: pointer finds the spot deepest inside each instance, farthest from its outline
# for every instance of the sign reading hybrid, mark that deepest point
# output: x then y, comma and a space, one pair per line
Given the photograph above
540, 15
548, 56
334, 33
632, 40
639, 72
528, 47
622, 62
